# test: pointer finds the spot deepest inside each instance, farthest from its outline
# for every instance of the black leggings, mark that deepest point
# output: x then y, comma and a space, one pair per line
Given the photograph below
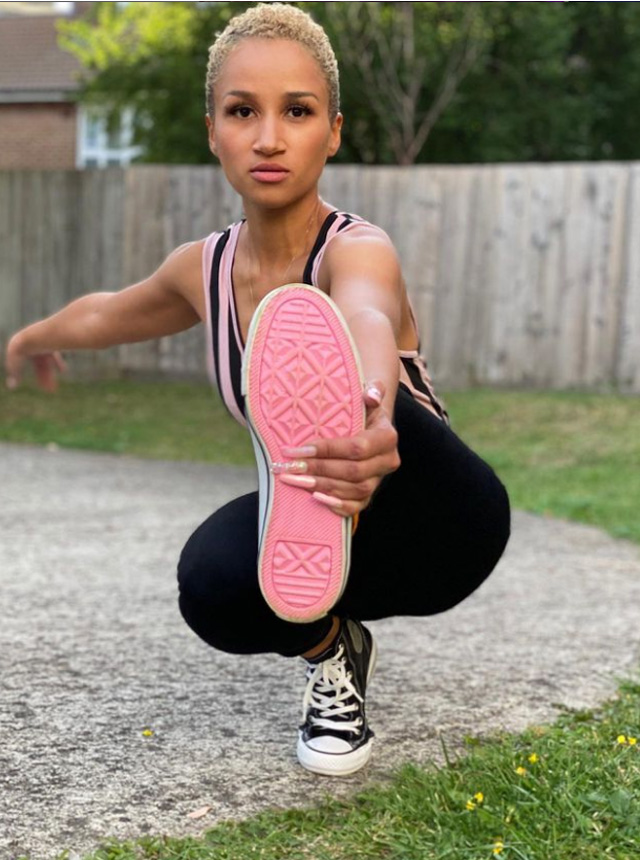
434, 531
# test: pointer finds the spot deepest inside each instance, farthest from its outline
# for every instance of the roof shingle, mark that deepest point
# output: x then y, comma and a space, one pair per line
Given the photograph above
30, 59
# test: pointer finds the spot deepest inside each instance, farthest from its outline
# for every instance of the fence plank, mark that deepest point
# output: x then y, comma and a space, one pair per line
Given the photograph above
11, 203
628, 341
576, 276
484, 277
450, 346
417, 237
544, 260
603, 299
145, 247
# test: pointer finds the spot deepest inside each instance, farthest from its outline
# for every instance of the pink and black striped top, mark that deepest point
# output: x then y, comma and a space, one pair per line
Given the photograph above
225, 346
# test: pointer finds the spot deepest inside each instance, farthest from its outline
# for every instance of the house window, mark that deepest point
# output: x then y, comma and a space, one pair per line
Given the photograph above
93, 131
105, 139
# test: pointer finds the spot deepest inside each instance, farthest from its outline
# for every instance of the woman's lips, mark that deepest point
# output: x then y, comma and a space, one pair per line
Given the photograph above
269, 173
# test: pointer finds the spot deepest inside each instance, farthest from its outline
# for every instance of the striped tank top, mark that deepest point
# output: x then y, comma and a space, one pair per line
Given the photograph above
225, 346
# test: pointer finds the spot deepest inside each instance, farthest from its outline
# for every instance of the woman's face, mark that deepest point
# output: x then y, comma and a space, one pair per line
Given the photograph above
271, 128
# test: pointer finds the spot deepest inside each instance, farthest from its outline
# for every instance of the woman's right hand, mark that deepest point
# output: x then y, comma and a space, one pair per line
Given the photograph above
343, 473
47, 366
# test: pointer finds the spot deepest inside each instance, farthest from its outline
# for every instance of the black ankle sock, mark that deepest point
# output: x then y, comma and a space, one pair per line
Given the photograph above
329, 651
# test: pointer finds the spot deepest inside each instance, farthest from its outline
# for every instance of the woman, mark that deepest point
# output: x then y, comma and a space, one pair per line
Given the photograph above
432, 518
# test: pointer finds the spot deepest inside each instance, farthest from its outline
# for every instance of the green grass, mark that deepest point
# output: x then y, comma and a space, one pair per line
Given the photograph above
563, 454
568, 455
580, 800
166, 420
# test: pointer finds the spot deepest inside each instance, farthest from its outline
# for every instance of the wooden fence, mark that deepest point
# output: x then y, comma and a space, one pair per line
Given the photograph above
519, 274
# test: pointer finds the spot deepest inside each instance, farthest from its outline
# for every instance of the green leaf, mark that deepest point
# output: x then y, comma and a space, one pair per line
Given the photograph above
620, 801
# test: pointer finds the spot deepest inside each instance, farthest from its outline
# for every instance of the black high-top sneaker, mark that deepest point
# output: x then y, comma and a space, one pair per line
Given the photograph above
335, 739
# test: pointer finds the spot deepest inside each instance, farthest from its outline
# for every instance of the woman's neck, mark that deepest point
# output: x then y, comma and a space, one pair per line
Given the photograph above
274, 238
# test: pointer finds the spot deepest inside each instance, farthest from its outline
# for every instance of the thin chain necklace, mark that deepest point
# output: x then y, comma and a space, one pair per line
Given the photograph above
283, 277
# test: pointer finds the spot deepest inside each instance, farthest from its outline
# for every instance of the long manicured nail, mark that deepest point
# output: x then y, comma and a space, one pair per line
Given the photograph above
306, 451
329, 501
305, 481
294, 467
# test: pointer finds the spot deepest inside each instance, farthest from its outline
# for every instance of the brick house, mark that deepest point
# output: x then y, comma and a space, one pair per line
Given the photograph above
41, 124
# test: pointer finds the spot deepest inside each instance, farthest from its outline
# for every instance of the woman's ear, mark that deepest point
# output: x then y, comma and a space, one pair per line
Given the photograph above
336, 136
211, 134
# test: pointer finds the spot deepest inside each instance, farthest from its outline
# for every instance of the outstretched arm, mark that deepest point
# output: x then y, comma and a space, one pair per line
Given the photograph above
366, 283
153, 308
364, 278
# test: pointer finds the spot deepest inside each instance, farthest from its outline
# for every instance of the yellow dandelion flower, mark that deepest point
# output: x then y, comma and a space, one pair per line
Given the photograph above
498, 847
521, 771
470, 805
621, 739
148, 733
533, 758
632, 741
479, 796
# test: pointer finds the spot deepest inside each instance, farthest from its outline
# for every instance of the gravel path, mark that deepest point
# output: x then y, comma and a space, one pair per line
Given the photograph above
93, 651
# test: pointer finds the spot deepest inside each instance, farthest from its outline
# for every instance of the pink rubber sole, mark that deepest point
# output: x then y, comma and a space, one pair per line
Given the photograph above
301, 381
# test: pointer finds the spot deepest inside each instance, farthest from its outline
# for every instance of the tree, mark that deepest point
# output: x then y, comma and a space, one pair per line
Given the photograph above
408, 61
605, 49
556, 83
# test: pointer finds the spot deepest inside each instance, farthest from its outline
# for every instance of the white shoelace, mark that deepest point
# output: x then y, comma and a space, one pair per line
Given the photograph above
328, 690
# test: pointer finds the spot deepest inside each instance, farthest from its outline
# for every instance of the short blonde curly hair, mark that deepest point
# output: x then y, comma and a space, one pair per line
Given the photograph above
276, 21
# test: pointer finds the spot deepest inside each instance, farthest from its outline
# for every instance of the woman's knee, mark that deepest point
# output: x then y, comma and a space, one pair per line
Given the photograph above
473, 557
217, 577
211, 622
502, 522
493, 518
464, 543
221, 553
214, 601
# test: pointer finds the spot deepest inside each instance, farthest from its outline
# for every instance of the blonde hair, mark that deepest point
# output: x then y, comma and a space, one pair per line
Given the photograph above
275, 21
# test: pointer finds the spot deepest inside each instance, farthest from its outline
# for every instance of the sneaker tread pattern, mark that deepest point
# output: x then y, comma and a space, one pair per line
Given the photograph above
303, 382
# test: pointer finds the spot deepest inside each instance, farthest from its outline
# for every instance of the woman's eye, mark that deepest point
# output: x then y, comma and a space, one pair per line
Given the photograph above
298, 111
242, 111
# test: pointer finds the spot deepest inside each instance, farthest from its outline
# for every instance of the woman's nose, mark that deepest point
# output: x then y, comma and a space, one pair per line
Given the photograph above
269, 138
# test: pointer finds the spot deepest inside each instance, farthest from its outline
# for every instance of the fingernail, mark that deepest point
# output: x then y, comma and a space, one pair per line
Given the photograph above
305, 481
306, 451
293, 467
374, 394
329, 501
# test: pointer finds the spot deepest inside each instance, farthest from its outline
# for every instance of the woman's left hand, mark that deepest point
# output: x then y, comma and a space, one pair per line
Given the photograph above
344, 473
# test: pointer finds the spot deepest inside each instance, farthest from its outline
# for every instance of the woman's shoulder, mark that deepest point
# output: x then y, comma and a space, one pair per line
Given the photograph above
351, 224
213, 237
182, 268
356, 246
192, 252
350, 229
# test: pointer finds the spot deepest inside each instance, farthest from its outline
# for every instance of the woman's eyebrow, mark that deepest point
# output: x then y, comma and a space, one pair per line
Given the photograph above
296, 94
301, 94
244, 94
